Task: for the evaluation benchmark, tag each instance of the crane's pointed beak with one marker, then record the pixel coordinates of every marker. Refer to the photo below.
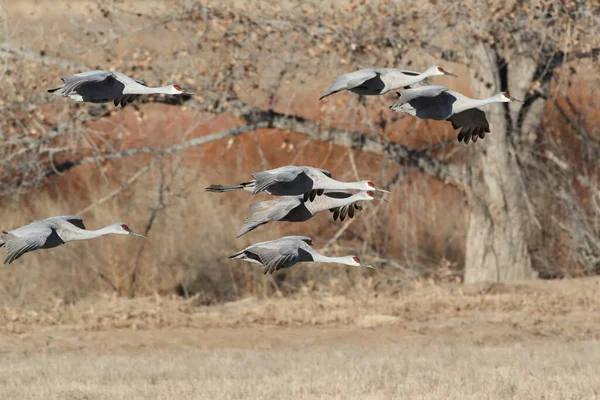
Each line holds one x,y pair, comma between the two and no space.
378,196
450,73
367,266
134,233
517,100
188,92
381,190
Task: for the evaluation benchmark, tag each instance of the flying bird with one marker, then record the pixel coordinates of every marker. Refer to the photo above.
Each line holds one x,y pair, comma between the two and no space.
287,251
291,180
369,81
53,232
439,103
105,86
296,209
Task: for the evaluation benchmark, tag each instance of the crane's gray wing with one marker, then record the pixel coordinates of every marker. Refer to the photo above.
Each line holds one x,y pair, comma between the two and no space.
17,246
409,95
126,98
94,75
286,177
338,212
384,71
274,256
472,123
305,239
74,82
267,211
73,219
349,210
350,80
312,194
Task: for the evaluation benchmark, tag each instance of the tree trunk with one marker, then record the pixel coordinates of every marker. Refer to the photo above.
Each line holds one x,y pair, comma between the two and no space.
496,248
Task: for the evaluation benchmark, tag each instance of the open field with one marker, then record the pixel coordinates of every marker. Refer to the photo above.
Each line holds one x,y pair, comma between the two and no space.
530,340
364,364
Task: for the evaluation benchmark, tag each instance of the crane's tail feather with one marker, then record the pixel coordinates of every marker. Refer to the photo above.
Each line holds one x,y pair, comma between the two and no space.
259,215
249,226
238,256
221,188
4,238
329,93
55,89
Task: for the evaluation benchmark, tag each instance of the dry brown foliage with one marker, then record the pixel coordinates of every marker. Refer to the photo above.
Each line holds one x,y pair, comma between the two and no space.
259,67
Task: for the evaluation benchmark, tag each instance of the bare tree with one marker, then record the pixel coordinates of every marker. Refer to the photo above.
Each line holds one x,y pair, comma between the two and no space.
258,65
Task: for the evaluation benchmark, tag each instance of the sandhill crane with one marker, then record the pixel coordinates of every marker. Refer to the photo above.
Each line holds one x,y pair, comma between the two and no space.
287,251
369,81
439,103
291,180
105,86
53,232
295,209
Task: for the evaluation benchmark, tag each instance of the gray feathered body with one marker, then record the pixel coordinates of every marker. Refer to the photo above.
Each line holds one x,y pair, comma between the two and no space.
276,254
98,86
373,81
296,209
289,180
439,103
46,234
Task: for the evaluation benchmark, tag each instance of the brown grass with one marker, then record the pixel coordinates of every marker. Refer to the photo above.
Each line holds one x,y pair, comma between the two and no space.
413,368
531,340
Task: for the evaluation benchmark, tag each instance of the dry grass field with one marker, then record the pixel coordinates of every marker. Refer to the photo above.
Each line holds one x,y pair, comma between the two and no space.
536,340
385,367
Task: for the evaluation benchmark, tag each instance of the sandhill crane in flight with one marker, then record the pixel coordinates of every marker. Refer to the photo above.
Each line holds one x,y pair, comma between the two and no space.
296,209
369,81
105,86
439,103
291,180
287,251
53,232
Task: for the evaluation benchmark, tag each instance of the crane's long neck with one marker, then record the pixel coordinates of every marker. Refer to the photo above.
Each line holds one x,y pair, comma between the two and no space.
475,103
136,88
322,203
328,183
318,257
84,234
418,78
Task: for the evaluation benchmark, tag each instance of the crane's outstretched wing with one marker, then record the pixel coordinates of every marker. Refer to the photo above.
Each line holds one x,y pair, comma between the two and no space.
74,82
96,75
349,81
409,95
472,123
126,98
276,255
17,246
311,195
407,72
349,210
73,219
267,211
290,180
305,239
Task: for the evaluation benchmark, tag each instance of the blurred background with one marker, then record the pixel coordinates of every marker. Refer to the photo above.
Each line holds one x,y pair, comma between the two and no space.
487,255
